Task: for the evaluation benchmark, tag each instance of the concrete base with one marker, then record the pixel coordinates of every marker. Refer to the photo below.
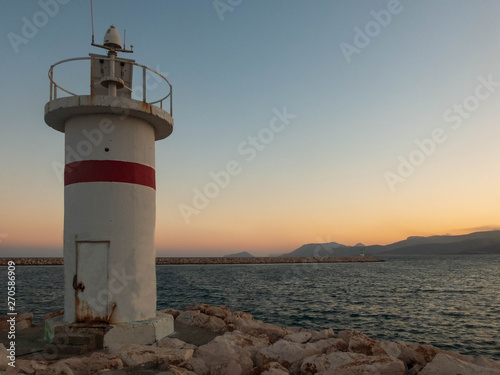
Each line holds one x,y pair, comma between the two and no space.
145,332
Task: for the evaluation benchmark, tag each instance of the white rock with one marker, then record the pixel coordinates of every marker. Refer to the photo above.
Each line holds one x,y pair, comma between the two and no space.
196,365
214,324
274,368
227,368
192,318
248,342
360,343
77,364
221,312
324,346
444,364
486,362
101,361
258,328
299,337
321,335
391,348
223,352
3,358
172,343
180,371
243,315
133,355
24,366
284,352
416,354
63,369
340,363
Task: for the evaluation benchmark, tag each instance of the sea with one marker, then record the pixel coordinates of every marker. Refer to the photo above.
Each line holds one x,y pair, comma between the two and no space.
452,302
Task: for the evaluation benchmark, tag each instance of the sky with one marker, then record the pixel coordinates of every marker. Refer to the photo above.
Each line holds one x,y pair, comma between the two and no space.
294,121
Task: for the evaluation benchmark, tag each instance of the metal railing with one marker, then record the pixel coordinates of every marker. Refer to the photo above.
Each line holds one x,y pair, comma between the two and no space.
54,86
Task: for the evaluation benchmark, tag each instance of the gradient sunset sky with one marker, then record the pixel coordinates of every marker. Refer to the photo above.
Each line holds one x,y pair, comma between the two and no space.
391,126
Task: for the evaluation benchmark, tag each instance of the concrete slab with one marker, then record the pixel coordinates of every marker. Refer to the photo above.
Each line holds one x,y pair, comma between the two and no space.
145,332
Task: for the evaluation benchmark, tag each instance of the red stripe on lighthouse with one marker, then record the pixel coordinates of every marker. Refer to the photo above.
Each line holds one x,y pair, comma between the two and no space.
109,171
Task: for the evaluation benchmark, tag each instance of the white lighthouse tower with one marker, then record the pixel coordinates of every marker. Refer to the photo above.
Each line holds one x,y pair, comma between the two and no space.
109,186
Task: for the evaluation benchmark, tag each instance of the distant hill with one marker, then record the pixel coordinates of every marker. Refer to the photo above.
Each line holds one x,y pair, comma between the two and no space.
324,249
243,254
474,243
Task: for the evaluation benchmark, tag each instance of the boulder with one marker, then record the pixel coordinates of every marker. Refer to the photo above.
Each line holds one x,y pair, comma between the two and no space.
24,366
63,369
76,364
243,315
360,343
391,348
416,354
485,362
341,363
444,364
197,365
102,361
192,318
3,358
299,337
224,351
172,343
23,321
274,368
134,355
221,312
215,324
324,346
241,340
288,354
180,371
273,332
227,368
321,335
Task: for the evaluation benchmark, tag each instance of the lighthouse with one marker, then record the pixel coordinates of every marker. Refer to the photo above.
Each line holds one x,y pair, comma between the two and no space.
109,185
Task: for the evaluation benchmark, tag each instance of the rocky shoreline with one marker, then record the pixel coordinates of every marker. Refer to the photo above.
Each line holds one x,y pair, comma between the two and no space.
208,260
241,345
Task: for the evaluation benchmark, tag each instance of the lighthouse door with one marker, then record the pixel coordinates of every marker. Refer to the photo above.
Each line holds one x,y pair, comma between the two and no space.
91,281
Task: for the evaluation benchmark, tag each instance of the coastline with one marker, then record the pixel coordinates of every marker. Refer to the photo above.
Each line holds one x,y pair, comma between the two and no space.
52,261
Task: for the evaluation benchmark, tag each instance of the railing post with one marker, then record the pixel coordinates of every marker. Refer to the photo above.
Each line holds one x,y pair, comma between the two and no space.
143,83
51,82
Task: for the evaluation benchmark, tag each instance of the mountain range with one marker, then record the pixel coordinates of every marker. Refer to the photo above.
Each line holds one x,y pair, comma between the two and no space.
486,242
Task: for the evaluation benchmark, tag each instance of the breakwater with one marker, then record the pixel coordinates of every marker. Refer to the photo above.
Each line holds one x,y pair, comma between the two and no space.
207,260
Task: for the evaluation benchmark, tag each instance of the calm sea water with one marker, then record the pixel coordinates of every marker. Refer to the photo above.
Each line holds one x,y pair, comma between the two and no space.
450,302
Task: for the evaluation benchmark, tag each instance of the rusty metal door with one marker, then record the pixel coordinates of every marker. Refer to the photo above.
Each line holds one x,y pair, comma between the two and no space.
91,281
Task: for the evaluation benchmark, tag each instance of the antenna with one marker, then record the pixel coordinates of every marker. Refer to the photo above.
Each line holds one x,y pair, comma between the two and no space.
92,20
